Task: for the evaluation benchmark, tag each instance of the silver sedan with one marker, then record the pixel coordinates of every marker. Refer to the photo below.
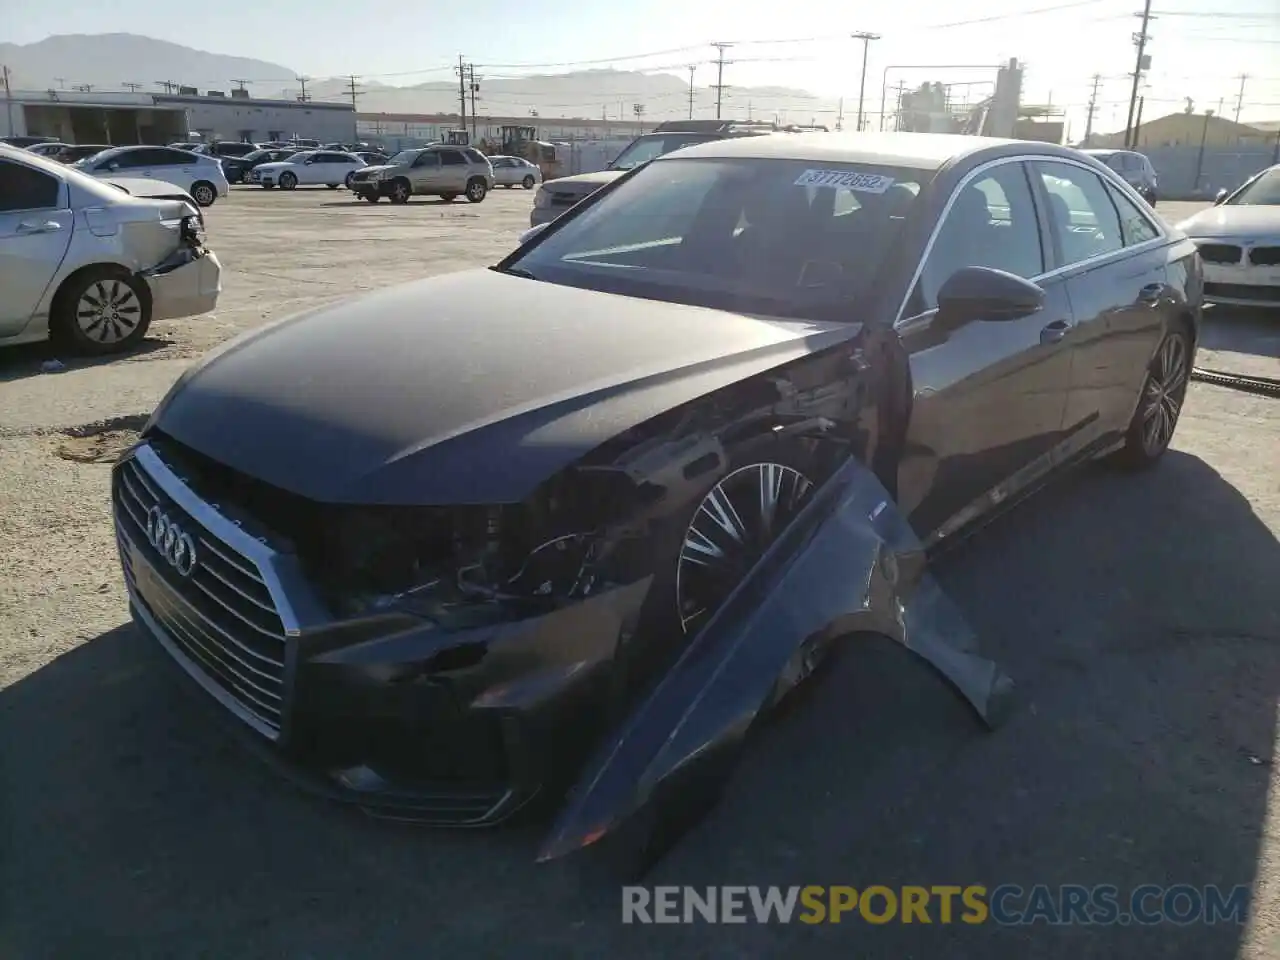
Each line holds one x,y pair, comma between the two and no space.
84,263
515,172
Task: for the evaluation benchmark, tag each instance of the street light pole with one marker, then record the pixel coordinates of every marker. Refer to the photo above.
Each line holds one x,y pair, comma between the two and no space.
866,39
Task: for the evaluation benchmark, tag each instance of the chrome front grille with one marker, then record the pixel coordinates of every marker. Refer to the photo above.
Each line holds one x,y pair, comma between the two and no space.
221,620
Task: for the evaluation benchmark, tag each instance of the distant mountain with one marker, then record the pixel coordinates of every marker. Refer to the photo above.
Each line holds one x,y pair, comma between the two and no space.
108,61
589,94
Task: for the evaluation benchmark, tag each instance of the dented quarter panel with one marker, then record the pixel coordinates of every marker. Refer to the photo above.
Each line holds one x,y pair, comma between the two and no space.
848,566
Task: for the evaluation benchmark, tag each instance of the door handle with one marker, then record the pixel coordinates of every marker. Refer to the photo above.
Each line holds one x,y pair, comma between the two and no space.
1151,293
1055,331
37,226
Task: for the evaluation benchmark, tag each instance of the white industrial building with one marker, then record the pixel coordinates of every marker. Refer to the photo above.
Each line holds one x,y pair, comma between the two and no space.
157,118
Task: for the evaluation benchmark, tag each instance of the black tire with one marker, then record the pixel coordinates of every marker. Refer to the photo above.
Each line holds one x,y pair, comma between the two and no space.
477,190
288,181
448,197
268,186
372,197
1160,404
347,180
527,182
332,186
204,193
123,305
400,191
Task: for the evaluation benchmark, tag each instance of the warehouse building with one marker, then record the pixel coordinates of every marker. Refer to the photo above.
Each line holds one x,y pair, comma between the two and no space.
129,118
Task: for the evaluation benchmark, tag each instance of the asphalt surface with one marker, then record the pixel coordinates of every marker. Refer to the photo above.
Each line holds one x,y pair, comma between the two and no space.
1139,615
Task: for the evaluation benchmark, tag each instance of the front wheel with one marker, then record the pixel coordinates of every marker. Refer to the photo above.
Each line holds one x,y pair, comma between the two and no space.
527,182
371,197
204,193
103,310
288,181
1160,405
476,190
400,192
448,197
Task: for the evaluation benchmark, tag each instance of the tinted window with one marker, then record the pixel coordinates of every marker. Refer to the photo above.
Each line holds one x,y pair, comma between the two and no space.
168,158
428,159
452,158
1081,212
649,148
737,234
991,223
475,156
22,188
1135,226
234,149
1263,190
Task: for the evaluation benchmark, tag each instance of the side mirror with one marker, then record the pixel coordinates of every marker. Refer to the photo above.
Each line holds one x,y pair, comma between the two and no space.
1222,195
984,293
533,232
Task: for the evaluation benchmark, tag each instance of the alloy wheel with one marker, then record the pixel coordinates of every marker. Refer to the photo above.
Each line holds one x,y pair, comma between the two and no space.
1163,394
203,195
108,311
731,529
400,193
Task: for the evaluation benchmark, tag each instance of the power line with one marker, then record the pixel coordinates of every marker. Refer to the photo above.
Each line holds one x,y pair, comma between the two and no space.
719,87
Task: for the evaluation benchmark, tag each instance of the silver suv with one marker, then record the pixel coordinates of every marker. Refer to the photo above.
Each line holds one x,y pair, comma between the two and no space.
435,171
1135,168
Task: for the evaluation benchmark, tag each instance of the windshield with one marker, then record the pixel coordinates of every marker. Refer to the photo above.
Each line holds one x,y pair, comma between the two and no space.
649,148
405,156
1264,191
299,157
781,237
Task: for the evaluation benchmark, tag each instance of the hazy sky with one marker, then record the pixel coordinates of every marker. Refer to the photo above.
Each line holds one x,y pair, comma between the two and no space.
1194,53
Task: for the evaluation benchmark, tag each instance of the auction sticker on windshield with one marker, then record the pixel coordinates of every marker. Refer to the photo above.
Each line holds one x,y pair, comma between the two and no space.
845,180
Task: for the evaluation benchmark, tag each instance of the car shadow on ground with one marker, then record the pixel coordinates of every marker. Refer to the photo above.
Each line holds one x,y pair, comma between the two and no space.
29,359
458,202
1137,613
1242,330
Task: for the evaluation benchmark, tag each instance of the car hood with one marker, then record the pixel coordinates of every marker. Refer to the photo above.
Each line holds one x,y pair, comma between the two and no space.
584,183
1233,221
468,388
377,167
144,187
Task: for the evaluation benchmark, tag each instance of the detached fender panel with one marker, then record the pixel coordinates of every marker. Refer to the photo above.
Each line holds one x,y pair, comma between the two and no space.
849,564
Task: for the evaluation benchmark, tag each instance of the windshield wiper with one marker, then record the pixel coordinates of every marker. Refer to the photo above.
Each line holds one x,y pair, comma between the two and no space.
515,272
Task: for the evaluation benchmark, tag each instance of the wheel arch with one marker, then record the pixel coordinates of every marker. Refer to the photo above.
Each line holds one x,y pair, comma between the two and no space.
62,290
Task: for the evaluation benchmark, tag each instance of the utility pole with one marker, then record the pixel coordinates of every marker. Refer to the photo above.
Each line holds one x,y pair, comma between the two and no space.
840,116
866,39
1240,98
1139,66
61,82
474,86
462,91
638,110
1093,106
692,68
353,91
719,84
131,87
897,110
168,85
1137,122
8,99
302,97
241,83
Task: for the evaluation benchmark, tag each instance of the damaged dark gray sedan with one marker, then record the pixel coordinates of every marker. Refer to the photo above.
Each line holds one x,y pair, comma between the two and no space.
570,526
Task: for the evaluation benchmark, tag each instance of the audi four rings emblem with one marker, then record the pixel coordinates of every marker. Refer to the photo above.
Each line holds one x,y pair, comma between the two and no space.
171,541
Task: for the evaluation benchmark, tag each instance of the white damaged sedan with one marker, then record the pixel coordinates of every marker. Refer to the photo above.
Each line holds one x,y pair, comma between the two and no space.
86,264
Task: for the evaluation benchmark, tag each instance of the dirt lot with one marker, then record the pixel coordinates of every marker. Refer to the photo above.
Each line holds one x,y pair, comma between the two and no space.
1140,616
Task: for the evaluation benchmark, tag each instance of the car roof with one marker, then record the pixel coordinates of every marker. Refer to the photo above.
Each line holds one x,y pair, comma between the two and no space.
927,151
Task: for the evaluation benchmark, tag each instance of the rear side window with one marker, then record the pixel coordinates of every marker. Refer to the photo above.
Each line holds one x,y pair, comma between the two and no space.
452,158
24,188
475,156
1081,212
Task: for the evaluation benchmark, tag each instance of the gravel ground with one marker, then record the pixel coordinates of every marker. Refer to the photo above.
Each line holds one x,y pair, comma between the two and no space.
1138,614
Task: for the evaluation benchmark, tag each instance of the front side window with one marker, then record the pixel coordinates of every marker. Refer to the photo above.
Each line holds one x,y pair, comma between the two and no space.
1135,226
770,236
1080,211
992,223
428,158
25,188
1264,190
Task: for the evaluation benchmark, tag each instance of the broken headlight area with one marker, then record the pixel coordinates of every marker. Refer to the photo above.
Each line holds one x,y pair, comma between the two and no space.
191,230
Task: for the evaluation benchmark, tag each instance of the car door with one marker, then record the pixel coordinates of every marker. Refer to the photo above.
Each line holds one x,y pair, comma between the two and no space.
425,174
989,397
1114,268
35,232
453,171
331,167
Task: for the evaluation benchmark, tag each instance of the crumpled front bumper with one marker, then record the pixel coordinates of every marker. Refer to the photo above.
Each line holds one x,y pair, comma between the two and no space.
185,289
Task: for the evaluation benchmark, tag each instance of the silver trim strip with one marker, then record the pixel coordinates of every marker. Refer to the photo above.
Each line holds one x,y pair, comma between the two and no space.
249,547
1163,235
